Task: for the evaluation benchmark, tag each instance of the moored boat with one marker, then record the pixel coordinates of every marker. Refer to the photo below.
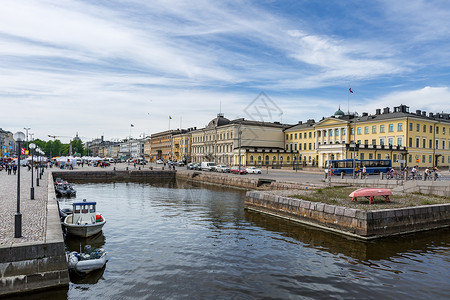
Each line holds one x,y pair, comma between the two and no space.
91,259
84,221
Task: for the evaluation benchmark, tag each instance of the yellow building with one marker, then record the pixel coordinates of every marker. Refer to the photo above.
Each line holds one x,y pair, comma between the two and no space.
181,145
403,137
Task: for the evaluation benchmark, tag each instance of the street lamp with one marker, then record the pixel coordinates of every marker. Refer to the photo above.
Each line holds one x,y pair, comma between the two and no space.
32,147
38,150
19,137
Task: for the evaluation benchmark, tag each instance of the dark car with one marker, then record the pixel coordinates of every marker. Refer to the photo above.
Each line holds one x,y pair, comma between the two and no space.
236,170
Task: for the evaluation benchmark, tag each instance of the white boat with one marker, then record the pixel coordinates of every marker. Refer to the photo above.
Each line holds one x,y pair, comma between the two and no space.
84,221
90,260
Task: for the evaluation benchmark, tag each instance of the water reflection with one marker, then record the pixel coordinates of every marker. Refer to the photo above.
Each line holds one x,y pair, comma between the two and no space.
380,249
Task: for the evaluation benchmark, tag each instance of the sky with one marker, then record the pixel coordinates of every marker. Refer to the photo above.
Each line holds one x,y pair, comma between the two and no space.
98,67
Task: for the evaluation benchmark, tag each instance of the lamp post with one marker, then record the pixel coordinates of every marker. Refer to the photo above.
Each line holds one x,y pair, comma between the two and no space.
32,147
37,168
19,137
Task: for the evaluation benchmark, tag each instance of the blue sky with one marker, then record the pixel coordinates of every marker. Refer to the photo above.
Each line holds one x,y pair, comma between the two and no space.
95,67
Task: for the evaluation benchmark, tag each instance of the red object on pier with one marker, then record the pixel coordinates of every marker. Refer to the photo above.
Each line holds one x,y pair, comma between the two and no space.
370,193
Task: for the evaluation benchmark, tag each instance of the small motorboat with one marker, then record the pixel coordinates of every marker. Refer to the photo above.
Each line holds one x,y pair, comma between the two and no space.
84,221
90,260
64,189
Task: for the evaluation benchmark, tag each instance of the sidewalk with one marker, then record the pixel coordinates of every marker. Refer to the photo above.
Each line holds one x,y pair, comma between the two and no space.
34,212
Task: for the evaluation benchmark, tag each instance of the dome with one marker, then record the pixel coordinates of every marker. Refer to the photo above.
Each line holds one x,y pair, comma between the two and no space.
220,120
339,113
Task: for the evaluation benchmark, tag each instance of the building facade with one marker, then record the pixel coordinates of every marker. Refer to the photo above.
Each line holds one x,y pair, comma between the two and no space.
181,145
405,138
228,142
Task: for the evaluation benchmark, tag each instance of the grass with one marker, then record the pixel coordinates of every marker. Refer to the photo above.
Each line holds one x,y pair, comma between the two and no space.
340,196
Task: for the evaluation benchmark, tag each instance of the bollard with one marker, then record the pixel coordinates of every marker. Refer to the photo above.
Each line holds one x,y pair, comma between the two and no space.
325,176
139,168
405,176
151,168
360,175
424,176
114,168
381,175
342,175
127,168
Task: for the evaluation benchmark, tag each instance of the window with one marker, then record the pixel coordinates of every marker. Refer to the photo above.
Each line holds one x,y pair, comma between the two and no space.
410,142
331,132
251,157
390,141
378,156
291,147
344,130
381,128
358,142
417,142
437,144
410,126
399,141
366,142
287,147
417,127
430,143
366,129
374,129
304,135
424,128
443,130
437,129
295,147
352,131
381,141
423,158
299,146
400,127
394,157
287,137
391,127
374,141
337,132
429,159
443,145
295,136
291,136
370,155
431,128
410,158
362,155
310,134
304,146
309,146
359,130
319,133
424,143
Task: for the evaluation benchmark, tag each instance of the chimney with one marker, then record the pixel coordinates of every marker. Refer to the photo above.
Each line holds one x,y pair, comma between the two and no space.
300,122
364,114
378,111
430,114
424,113
386,110
418,112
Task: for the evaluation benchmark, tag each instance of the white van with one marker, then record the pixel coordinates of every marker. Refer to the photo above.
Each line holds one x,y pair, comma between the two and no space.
208,166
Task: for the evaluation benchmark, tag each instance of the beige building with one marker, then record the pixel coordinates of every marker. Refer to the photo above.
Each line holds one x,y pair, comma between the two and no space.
181,145
223,141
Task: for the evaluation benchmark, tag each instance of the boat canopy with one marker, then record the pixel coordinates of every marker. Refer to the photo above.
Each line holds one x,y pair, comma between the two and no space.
84,203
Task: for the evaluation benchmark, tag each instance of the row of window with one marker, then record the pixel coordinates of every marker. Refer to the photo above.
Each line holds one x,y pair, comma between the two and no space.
219,149
424,128
274,159
381,129
430,143
210,137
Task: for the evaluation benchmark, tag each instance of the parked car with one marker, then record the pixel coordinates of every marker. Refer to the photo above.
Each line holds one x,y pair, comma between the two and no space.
208,166
159,161
190,166
236,170
180,163
197,167
253,170
222,169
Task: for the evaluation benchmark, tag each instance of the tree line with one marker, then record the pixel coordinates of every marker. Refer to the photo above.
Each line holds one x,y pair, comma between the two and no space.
56,148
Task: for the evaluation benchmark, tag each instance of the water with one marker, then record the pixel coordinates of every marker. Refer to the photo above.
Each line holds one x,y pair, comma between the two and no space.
177,240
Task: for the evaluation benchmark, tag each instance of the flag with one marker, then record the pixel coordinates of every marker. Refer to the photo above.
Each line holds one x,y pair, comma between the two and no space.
170,118
132,125
350,90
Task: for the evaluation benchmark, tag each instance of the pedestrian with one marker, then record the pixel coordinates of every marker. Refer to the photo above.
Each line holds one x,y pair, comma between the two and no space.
9,168
414,172
364,174
14,169
427,173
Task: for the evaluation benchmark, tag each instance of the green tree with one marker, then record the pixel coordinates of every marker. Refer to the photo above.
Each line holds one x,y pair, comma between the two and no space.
77,147
57,148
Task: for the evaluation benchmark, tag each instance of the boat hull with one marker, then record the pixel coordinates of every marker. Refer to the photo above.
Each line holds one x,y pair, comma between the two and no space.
86,266
83,230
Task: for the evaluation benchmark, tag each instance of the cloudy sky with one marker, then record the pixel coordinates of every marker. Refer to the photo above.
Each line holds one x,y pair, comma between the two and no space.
96,67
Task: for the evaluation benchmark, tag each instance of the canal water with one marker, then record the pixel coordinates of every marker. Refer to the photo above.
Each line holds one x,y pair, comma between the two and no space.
181,240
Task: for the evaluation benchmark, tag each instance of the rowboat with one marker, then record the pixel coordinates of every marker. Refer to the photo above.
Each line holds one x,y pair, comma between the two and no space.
370,193
91,259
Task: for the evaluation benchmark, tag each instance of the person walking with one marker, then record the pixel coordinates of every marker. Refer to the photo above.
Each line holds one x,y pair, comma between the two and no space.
9,169
14,169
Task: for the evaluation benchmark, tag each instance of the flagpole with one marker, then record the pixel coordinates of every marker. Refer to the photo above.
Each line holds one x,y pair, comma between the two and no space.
348,100
169,122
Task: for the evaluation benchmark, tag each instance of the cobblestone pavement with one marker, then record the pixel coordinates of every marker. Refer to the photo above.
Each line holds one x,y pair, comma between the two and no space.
33,211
